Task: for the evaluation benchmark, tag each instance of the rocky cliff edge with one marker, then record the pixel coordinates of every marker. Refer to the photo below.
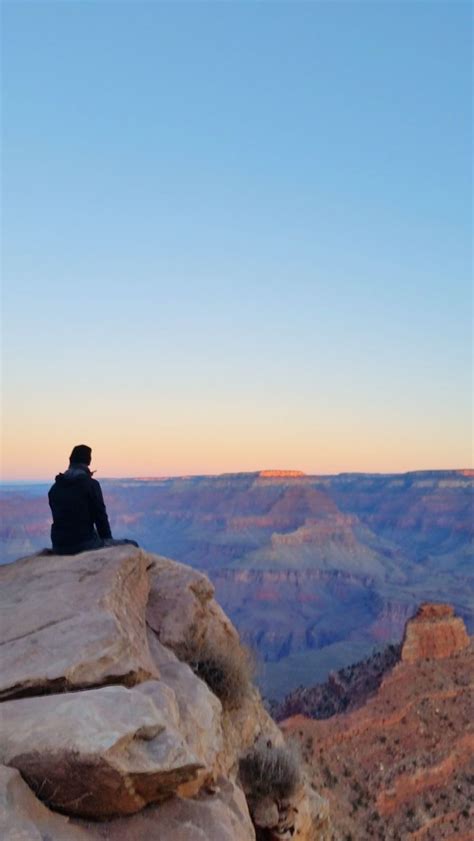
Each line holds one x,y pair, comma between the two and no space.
128,711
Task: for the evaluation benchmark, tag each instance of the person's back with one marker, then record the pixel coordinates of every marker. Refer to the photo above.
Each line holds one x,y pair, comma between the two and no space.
80,519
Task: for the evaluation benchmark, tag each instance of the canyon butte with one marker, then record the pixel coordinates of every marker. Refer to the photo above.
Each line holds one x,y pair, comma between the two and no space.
315,571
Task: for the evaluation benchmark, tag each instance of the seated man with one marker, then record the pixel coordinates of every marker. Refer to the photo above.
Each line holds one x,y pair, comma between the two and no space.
80,520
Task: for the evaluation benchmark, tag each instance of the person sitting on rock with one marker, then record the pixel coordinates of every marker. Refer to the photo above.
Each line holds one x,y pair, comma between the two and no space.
80,521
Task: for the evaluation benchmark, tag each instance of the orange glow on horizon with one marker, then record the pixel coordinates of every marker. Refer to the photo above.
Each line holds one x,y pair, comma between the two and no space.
31,454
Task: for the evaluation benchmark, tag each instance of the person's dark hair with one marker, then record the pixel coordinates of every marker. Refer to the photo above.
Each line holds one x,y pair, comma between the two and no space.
81,454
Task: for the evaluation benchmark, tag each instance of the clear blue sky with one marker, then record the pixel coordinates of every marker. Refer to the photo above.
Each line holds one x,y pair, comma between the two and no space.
237,235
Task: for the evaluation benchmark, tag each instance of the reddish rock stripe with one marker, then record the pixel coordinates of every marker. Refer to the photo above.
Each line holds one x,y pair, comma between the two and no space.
438,821
408,785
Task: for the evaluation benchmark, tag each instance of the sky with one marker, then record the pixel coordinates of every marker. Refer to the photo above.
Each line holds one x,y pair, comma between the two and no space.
236,236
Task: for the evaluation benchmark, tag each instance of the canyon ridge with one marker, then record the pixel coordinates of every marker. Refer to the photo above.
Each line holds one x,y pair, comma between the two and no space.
315,571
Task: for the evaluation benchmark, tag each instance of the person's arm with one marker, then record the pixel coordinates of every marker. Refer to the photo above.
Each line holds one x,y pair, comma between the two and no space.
99,511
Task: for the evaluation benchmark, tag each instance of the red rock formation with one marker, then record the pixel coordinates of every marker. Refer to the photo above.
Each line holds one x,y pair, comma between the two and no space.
400,767
433,633
281,474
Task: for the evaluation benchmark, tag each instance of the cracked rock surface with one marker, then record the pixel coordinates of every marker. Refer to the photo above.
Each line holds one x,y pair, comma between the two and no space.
71,622
113,735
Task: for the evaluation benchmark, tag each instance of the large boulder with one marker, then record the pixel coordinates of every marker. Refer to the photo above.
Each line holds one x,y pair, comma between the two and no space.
99,752
133,709
71,622
183,615
200,711
182,610
217,815
24,818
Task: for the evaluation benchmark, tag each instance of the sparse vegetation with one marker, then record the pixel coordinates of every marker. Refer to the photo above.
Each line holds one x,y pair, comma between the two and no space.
270,772
227,671
330,779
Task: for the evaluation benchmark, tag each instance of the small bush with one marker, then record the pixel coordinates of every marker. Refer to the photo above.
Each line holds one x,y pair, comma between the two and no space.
270,772
227,671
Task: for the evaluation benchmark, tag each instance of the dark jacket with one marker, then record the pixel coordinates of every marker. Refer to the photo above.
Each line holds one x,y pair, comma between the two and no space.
79,514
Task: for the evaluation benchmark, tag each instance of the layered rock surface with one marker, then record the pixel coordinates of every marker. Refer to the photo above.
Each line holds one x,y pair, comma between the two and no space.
293,547
100,752
434,632
217,815
103,720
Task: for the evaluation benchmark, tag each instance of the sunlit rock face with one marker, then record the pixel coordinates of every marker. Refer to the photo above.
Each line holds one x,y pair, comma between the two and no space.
71,622
433,633
101,752
105,722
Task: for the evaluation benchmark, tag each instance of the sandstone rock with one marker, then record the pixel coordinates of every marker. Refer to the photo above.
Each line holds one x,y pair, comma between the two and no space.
181,609
99,752
183,616
24,818
177,602
74,621
265,814
200,711
218,816
157,757
197,618
435,633
313,822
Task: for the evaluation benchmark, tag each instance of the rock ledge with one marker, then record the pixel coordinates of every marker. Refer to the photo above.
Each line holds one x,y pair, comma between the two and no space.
101,721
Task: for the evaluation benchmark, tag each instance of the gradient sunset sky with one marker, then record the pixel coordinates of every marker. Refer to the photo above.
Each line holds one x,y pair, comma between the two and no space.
236,236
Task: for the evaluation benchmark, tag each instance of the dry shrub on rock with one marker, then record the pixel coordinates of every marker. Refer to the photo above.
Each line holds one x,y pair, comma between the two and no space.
268,771
227,671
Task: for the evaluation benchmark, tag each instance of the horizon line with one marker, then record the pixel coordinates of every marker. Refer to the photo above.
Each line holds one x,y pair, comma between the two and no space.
264,473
